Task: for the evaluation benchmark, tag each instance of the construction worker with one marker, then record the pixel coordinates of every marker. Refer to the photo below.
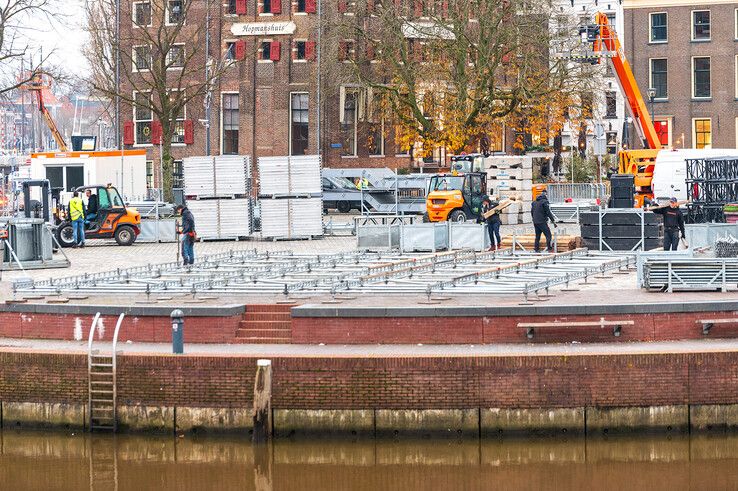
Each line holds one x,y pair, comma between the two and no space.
541,212
187,229
493,221
673,223
91,206
77,216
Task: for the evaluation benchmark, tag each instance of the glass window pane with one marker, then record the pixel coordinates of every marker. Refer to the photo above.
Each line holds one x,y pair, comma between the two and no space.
658,27
701,77
701,25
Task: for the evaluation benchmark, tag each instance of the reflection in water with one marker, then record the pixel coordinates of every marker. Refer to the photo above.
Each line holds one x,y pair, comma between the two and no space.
58,461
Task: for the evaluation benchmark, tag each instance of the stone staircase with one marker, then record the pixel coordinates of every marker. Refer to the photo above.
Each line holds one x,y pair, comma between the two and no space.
265,324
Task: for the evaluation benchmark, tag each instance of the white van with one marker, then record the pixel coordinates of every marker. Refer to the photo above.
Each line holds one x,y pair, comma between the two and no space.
670,172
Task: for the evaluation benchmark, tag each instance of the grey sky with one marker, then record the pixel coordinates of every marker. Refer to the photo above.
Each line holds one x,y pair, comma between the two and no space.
65,35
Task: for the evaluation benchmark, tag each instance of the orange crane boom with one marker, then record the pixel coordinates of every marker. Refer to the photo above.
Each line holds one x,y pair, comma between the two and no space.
37,85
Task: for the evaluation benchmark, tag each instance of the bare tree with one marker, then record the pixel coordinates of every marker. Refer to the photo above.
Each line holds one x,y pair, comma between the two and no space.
163,63
453,72
17,18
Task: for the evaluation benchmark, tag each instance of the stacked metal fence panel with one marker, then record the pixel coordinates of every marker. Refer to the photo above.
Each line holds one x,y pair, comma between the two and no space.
290,194
690,274
620,230
712,183
218,192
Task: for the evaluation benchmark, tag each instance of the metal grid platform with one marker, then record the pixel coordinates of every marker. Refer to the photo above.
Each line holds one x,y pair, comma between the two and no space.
382,273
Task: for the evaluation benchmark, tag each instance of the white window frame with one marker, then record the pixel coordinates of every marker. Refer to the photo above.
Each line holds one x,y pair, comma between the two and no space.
260,5
701,98
294,5
220,137
261,53
182,120
294,49
184,56
133,14
735,72
136,120
650,77
735,20
694,132
225,10
134,58
693,25
289,145
650,28
166,13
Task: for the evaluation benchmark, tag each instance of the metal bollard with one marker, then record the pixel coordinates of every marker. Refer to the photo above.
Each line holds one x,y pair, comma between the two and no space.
177,317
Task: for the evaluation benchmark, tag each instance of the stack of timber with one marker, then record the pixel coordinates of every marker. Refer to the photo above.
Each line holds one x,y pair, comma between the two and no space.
563,242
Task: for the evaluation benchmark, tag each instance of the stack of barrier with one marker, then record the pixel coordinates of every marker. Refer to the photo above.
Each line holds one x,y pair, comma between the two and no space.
291,197
218,193
512,177
712,183
620,230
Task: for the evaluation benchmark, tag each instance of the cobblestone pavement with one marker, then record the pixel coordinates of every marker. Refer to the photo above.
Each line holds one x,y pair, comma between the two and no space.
394,350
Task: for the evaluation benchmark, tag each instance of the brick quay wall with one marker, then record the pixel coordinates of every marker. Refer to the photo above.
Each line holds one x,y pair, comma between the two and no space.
452,395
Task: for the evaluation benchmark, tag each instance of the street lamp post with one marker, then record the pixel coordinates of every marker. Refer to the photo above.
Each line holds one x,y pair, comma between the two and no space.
651,97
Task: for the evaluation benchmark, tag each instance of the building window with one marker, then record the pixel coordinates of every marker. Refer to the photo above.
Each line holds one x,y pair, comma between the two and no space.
701,77
735,34
178,134
176,56
349,121
611,103
701,25
266,6
177,174
142,117
300,50
230,53
231,122
301,6
142,14
376,139
702,133
142,58
149,174
659,78
299,124
231,7
346,50
659,28
663,130
175,11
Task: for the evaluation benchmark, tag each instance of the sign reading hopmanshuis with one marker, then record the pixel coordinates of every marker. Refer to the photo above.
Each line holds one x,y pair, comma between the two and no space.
263,28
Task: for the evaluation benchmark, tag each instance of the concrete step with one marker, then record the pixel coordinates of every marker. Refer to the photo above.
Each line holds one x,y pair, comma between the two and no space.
263,340
269,308
267,316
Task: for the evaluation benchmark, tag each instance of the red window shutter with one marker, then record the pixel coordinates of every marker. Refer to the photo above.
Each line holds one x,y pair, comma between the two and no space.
398,4
342,50
369,6
156,132
444,9
128,138
418,8
342,6
274,50
310,50
276,6
241,7
189,132
240,50
310,7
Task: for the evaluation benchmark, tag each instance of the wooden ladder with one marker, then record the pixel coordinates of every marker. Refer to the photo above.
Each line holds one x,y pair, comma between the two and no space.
101,370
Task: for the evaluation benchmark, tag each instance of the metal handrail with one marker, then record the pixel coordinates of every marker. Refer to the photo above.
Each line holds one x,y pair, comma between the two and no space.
91,336
115,370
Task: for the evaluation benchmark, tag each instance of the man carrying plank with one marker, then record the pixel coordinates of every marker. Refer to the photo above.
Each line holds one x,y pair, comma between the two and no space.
491,209
673,223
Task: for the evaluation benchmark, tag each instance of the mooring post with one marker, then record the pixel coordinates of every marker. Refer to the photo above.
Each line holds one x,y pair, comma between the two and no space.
263,402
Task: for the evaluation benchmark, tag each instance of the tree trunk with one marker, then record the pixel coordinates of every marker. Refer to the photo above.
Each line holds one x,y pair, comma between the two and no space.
167,165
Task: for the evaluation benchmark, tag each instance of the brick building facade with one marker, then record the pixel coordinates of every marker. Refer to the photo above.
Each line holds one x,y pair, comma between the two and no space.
686,51
273,99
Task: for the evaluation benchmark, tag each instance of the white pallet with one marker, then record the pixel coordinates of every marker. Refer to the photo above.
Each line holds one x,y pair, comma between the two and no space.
290,176
198,176
291,218
509,173
221,218
509,162
509,219
511,184
519,195
232,175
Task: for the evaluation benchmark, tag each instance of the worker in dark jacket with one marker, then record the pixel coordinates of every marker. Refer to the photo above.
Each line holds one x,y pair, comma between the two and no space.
493,221
187,229
541,212
673,224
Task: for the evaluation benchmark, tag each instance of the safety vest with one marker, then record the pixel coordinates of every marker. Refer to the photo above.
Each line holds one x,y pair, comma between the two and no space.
76,209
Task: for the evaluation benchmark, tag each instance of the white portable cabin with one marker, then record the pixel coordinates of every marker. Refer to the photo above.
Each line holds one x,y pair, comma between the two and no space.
125,170
670,172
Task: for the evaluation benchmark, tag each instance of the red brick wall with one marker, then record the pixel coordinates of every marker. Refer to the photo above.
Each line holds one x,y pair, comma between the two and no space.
136,329
402,383
486,330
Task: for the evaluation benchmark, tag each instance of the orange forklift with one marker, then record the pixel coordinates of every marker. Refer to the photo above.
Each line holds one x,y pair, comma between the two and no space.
456,197
113,219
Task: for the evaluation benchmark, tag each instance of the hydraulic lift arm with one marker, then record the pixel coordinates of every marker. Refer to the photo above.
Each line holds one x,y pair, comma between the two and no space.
50,121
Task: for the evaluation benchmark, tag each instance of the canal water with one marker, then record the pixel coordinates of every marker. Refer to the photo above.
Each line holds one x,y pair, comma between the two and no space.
35,460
